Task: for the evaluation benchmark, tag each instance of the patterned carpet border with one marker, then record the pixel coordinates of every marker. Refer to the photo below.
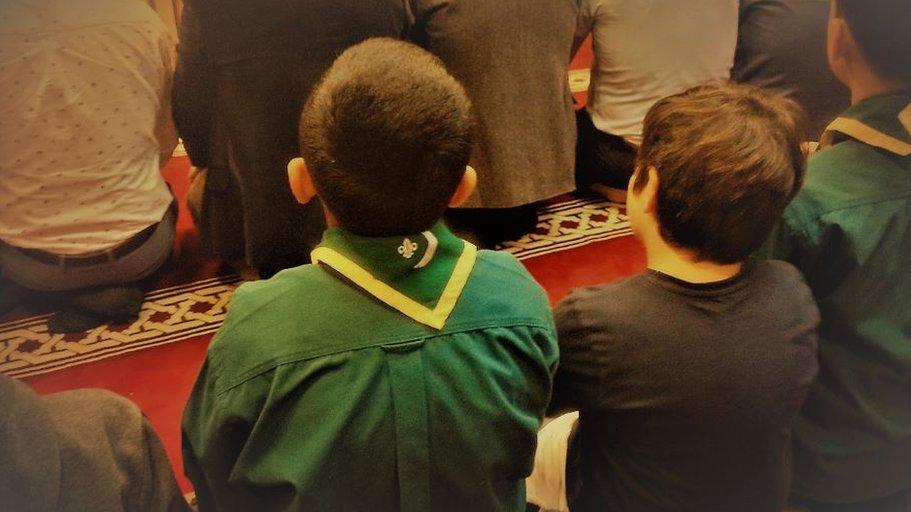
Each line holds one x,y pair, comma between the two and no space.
569,225
169,315
194,309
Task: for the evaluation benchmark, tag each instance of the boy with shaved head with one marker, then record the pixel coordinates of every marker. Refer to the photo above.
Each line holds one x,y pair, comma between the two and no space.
405,369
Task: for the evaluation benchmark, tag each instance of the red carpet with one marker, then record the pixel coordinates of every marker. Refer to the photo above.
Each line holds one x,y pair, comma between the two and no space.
585,247
154,361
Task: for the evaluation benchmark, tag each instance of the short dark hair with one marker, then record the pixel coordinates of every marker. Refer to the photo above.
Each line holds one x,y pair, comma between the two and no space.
882,29
729,159
386,135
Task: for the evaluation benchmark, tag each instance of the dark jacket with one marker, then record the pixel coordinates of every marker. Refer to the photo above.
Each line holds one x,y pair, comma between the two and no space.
244,71
782,48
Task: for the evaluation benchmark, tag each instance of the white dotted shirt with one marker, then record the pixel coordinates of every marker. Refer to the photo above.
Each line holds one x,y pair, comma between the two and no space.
84,122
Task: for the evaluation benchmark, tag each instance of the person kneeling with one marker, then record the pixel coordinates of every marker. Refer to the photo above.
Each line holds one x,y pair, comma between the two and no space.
85,213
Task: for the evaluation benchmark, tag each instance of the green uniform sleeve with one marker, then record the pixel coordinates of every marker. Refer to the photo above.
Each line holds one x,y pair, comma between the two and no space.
817,245
216,427
198,421
796,238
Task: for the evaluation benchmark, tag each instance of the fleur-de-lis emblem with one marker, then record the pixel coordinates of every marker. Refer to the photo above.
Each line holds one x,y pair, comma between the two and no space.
408,248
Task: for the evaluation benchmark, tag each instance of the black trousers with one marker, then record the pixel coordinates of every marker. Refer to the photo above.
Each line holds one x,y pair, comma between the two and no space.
601,157
488,227
248,211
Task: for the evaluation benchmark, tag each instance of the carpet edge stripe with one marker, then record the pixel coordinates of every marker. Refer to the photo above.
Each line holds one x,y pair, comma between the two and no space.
113,352
546,214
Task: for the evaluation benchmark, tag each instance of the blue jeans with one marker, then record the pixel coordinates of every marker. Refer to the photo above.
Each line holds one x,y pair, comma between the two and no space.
133,266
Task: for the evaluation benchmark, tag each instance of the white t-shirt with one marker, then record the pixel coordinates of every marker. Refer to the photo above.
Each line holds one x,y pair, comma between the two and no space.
84,122
645,50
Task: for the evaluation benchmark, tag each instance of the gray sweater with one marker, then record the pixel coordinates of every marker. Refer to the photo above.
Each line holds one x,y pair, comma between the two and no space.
512,57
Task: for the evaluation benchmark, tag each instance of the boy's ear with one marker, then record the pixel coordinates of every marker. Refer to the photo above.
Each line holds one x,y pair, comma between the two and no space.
839,45
649,192
466,187
301,183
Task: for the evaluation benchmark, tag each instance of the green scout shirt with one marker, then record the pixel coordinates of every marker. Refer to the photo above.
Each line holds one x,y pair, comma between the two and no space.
849,231
397,374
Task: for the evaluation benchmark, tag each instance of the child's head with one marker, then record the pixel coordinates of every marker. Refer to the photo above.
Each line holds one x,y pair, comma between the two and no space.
871,37
385,139
717,166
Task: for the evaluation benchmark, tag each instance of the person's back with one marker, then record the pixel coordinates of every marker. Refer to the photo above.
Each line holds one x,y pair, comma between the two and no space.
244,70
512,57
307,34
401,371
700,384
57,447
646,50
349,405
686,378
781,48
85,129
849,232
82,104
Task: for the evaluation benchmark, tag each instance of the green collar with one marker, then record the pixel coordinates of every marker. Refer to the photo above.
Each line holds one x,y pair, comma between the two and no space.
421,276
882,121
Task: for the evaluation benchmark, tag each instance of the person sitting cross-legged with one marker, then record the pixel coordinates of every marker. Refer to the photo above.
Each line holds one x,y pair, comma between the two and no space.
686,378
404,369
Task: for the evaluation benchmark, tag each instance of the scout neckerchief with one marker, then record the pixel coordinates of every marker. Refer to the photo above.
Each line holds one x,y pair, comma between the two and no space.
421,276
882,121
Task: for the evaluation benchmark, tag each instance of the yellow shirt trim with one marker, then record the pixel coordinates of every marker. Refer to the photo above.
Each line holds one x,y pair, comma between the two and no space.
435,317
905,118
871,136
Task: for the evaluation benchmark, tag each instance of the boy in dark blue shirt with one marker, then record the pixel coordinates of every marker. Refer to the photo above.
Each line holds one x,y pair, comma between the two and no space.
687,377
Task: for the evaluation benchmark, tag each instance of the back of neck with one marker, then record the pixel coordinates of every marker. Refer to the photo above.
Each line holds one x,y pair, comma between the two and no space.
686,267
867,85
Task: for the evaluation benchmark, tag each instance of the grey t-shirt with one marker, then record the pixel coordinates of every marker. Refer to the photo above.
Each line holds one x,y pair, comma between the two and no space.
782,48
686,392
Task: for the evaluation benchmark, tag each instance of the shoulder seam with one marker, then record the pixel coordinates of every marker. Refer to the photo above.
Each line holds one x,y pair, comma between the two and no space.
304,355
905,196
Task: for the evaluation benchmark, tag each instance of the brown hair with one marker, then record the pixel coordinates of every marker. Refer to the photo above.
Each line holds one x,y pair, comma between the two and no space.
386,136
729,160
882,29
